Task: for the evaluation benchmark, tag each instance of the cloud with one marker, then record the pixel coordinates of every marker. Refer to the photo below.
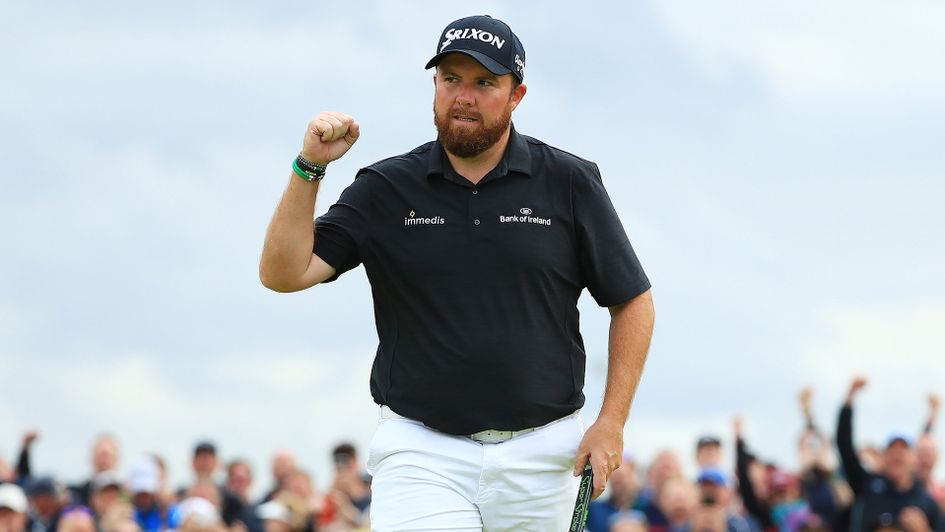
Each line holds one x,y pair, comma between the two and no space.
813,50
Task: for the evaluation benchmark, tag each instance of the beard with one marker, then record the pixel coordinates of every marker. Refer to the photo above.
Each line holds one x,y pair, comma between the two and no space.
479,136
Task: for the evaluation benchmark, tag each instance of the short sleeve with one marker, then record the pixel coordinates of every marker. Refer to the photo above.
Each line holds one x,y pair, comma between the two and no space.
342,232
611,270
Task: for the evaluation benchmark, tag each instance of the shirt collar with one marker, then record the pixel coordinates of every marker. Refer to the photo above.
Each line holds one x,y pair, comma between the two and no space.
516,158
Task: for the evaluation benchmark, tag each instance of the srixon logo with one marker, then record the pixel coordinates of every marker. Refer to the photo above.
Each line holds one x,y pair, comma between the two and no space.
454,34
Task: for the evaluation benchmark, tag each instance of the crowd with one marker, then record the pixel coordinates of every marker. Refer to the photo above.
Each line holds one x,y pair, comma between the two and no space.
838,487
140,499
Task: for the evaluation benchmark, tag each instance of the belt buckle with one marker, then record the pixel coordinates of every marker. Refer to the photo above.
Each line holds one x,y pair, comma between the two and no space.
493,436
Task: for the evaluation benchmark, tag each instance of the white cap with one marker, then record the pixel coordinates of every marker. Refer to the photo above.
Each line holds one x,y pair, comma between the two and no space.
200,511
274,510
12,497
144,477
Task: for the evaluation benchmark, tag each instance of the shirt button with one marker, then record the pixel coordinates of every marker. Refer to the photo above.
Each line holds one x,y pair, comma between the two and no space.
475,192
476,221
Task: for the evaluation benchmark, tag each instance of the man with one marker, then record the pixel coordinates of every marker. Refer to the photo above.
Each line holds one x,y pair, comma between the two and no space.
205,462
13,508
107,490
47,498
105,455
895,496
236,505
477,247
709,452
715,504
283,465
351,488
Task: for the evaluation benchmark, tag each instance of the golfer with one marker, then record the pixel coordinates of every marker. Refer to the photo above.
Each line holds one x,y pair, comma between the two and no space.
477,246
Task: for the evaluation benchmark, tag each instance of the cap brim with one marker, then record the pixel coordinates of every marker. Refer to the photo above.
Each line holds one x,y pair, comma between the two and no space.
486,61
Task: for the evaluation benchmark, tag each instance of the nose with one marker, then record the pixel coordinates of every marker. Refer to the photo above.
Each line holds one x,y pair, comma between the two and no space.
464,97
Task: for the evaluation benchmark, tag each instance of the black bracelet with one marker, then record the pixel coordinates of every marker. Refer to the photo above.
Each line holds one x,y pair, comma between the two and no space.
308,170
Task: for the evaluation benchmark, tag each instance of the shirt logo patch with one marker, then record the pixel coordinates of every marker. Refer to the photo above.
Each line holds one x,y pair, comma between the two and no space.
524,217
413,219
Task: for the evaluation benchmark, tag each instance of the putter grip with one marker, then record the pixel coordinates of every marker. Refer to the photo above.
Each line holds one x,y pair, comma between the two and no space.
585,489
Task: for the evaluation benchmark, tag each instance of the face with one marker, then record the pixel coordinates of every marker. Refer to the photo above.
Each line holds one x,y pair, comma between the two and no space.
678,500
104,498
665,466
205,463
283,464
239,478
623,481
11,521
105,454
718,494
472,108
899,460
709,456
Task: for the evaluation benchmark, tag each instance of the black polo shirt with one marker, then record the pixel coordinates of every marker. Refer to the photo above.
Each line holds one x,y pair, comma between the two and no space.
476,286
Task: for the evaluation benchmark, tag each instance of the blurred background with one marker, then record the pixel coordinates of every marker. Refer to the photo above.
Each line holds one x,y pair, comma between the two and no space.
778,166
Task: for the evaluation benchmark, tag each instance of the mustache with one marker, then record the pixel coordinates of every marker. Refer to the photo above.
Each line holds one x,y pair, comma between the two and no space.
459,112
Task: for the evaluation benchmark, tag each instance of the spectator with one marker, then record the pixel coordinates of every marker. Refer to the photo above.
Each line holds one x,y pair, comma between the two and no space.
351,488
715,507
205,462
105,454
828,495
47,498
120,517
237,507
780,498
283,464
664,467
622,489
892,497
106,491
13,508
709,452
76,519
677,501
144,483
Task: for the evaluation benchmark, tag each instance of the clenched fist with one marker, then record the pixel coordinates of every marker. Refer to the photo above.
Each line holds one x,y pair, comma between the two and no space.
329,136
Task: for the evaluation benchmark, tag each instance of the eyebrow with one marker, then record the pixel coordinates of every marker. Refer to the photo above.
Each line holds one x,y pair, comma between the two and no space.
489,76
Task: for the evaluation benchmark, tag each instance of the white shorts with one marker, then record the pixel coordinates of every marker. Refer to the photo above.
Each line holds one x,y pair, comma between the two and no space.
429,480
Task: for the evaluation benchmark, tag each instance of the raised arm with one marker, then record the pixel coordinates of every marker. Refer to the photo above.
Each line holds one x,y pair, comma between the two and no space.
288,263
631,326
746,489
856,475
933,414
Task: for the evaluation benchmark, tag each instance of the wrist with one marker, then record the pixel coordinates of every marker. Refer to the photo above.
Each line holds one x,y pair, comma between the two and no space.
308,170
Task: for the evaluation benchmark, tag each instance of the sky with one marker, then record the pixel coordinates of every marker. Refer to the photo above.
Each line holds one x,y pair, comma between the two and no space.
777,165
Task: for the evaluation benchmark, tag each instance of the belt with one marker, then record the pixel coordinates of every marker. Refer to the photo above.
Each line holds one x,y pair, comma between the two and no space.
483,436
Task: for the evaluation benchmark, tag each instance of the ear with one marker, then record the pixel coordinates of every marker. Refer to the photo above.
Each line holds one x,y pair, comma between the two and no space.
517,94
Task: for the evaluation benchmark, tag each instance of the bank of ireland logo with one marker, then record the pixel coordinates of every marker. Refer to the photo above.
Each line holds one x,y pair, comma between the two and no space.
524,216
520,65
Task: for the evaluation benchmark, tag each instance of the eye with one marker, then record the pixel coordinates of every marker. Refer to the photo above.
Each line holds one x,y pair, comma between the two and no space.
450,79
486,83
